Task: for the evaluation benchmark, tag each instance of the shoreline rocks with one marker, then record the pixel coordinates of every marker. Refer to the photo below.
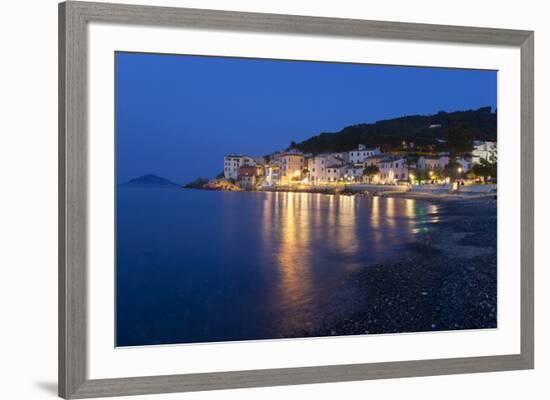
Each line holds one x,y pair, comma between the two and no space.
222,184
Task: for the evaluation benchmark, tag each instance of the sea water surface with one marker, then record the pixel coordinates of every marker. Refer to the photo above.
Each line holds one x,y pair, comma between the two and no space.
204,266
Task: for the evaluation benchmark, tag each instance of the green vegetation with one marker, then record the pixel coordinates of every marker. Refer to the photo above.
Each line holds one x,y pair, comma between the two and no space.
458,142
486,169
427,176
428,133
370,172
453,170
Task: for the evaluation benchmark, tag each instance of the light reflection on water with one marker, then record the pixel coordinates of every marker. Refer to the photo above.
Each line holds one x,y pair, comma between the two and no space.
198,266
318,240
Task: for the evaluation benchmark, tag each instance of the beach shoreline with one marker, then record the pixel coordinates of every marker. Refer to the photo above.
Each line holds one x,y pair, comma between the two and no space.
367,190
446,281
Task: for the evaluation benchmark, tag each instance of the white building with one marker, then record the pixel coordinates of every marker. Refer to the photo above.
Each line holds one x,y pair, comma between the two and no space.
334,172
393,170
359,155
317,167
271,173
484,151
232,163
374,160
353,173
342,156
431,163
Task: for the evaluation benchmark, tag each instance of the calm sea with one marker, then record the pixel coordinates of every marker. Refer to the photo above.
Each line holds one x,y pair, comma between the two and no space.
202,266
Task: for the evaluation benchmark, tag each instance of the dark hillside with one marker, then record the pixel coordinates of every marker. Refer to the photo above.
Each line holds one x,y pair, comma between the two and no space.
414,128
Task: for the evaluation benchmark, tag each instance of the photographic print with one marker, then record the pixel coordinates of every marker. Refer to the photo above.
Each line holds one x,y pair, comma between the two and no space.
275,199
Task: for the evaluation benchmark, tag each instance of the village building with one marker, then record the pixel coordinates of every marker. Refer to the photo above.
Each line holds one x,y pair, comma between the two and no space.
334,172
393,169
232,163
438,163
317,167
353,173
248,176
361,153
316,170
271,173
291,166
374,160
260,161
484,151
432,163
341,156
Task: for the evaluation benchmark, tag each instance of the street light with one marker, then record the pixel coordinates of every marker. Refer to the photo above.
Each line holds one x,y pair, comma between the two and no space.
459,170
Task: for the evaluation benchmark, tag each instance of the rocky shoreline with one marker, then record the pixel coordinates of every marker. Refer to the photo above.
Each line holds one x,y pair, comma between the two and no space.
446,281
364,190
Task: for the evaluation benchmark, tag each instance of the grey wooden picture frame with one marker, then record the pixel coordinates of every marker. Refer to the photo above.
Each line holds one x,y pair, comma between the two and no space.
73,172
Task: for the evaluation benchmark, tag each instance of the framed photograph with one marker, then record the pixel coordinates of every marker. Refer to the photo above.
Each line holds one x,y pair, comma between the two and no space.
253,200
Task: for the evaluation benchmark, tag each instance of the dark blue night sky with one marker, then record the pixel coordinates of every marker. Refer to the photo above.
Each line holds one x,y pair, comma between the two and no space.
178,115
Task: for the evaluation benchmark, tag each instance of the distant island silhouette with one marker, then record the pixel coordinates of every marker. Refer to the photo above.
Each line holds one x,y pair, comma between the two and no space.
150,180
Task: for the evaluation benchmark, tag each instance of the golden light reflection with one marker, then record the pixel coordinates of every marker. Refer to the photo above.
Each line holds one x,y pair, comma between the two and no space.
276,206
346,234
409,208
390,211
375,220
267,219
294,254
409,212
300,230
331,220
433,209
375,212
316,209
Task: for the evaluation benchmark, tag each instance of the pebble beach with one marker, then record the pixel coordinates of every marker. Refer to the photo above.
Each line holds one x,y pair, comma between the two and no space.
446,281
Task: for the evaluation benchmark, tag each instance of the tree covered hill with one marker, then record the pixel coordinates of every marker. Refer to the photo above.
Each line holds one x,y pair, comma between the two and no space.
425,131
